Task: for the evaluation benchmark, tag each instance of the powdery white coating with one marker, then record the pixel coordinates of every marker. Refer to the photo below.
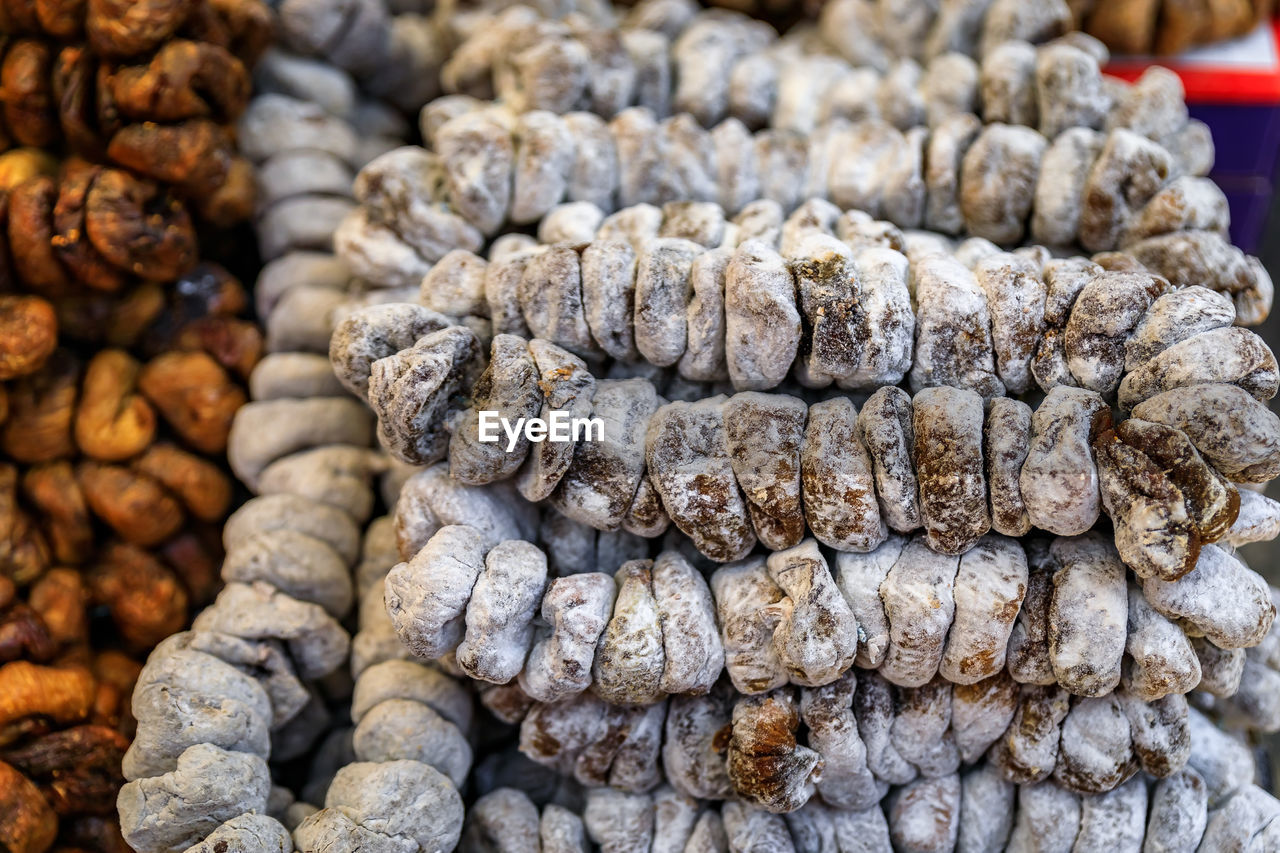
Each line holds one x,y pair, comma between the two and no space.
501,610
922,728
700,222
1160,657
1206,258
570,222
427,596
1048,820
829,297
783,157
704,358
1221,670
1153,106
859,577
1179,812
885,304
1221,759
1070,89
767,767
847,782
904,196
412,393
1059,478
674,816
1227,356
838,486
577,609
763,433
455,285
635,224
646,517
1064,169
1028,653
619,822
873,707
981,713
1176,316
1095,753
478,155
402,679
177,809
858,179
630,660
924,816
566,385
186,698
401,729
544,158
608,295
748,828
398,804
304,567
504,819
998,180
431,499
950,84
1129,170
1237,434
562,831
747,606
1185,204
1258,521
817,635
266,430
1005,442
760,220
509,387
762,322
316,642
948,453
1016,295
686,448
948,141
502,288
594,175
737,170
266,513
1221,599
692,750
953,330
337,474
1161,732
1007,82
886,427
551,298
986,810
604,475
1115,820
691,641
1088,615
989,589
369,334
662,292
248,833
1028,750
919,604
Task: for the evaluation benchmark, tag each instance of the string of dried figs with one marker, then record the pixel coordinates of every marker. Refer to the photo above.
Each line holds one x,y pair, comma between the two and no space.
489,167
1062,614
672,57
1209,804
1190,434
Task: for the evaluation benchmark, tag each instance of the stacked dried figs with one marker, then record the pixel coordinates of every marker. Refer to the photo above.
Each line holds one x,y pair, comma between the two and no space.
780,603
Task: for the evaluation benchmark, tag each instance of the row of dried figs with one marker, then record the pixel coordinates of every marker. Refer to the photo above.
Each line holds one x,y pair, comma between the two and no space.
776,462
825,297
1049,614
